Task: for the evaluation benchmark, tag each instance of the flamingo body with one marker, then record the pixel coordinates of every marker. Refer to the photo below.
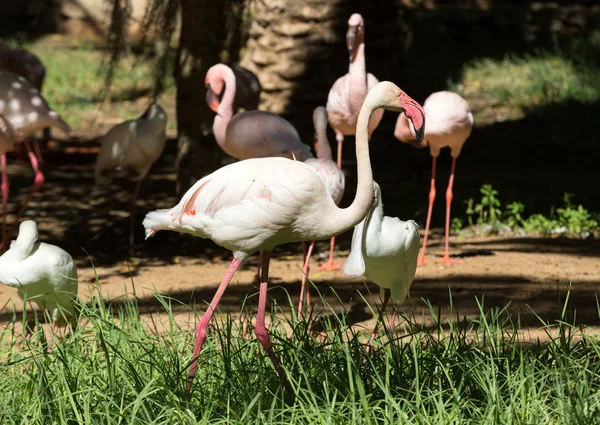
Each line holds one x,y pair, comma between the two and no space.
42,273
248,88
24,63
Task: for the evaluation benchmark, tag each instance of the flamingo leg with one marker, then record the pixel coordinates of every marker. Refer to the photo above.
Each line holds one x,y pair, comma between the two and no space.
446,258
304,288
37,182
5,187
204,322
386,300
261,330
421,261
257,276
132,217
38,151
331,265
340,140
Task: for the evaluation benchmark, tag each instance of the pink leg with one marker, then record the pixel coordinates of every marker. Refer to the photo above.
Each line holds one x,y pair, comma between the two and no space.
305,272
203,324
330,265
257,276
38,151
37,182
386,300
261,330
422,259
446,258
340,139
5,187
393,321
132,218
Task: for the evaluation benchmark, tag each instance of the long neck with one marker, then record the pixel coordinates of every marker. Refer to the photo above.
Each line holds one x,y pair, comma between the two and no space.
225,110
323,147
358,78
376,217
346,218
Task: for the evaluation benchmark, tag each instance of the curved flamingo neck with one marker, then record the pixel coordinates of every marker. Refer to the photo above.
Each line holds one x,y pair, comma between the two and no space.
323,146
358,78
225,109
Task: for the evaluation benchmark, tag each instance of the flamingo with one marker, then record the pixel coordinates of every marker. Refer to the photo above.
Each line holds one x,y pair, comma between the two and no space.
346,98
385,250
26,111
249,134
42,273
449,124
247,89
257,204
29,66
130,148
334,180
6,144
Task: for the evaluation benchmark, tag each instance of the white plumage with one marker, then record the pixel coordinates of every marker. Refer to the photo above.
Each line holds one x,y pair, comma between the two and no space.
389,247
132,147
42,273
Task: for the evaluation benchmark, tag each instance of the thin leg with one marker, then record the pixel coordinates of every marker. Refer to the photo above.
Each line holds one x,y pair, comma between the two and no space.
257,276
331,265
5,187
204,322
386,300
422,259
446,258
304,288
393,320
37,182
340,139
38,151
261,330
132,217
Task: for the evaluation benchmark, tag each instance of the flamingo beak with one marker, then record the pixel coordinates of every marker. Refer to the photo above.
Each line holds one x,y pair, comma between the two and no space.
415,114
351,40
212,100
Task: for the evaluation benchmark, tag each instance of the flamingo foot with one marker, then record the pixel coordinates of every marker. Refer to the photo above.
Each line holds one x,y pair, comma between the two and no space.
447,260
422,261
330,266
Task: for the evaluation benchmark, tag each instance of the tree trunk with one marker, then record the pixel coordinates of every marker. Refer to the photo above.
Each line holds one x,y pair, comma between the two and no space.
205,38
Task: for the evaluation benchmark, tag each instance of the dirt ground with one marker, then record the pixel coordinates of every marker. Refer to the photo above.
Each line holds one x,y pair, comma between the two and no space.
527,274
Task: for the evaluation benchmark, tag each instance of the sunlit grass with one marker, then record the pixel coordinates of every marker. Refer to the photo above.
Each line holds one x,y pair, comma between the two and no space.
116,369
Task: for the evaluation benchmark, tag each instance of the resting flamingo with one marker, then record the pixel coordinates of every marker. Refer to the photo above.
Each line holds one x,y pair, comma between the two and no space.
384,250
449,124
130,148
334,180
347,96
257,204
27,112
249,134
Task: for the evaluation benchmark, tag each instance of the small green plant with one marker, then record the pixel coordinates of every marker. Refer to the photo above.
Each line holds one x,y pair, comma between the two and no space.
488,208
512,214
456,225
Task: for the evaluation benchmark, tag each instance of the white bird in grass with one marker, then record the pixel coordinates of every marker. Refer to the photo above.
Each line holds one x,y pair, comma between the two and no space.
42,273
257,204
129,149
334,180
384,250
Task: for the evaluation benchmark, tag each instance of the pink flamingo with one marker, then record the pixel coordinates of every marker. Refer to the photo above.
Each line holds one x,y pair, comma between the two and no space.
130,149
449,124
28,65
27,112
7,142
334,180
257,204
247,89
249,134
346,98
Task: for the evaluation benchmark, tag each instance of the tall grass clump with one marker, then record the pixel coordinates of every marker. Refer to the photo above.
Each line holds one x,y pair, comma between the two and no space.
115,369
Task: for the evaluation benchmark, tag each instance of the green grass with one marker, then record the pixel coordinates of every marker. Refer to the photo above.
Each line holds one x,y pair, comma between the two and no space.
517,84
115,370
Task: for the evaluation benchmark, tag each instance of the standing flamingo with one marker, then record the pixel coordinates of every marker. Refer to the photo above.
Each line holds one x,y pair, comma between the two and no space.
257,204
247,89
7,142
130,148
385,250
249,134
449,124
346,98
42,273
27,112
24,63
334,180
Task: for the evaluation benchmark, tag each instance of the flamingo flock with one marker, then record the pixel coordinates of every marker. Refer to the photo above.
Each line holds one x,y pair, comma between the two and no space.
277,192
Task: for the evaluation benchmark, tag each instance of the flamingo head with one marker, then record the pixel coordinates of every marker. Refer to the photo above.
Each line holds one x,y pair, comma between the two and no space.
214,82
405,132
355,34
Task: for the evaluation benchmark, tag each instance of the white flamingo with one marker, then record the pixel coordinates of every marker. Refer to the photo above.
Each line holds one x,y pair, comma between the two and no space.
257,204
130,148
449,124
334,180
385,250
42,273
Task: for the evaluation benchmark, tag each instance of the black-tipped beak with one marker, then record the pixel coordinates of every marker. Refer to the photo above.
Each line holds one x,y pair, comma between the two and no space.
212,100
420,132
351,40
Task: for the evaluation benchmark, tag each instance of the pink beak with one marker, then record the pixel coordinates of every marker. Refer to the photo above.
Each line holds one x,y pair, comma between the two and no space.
415,113
212,100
